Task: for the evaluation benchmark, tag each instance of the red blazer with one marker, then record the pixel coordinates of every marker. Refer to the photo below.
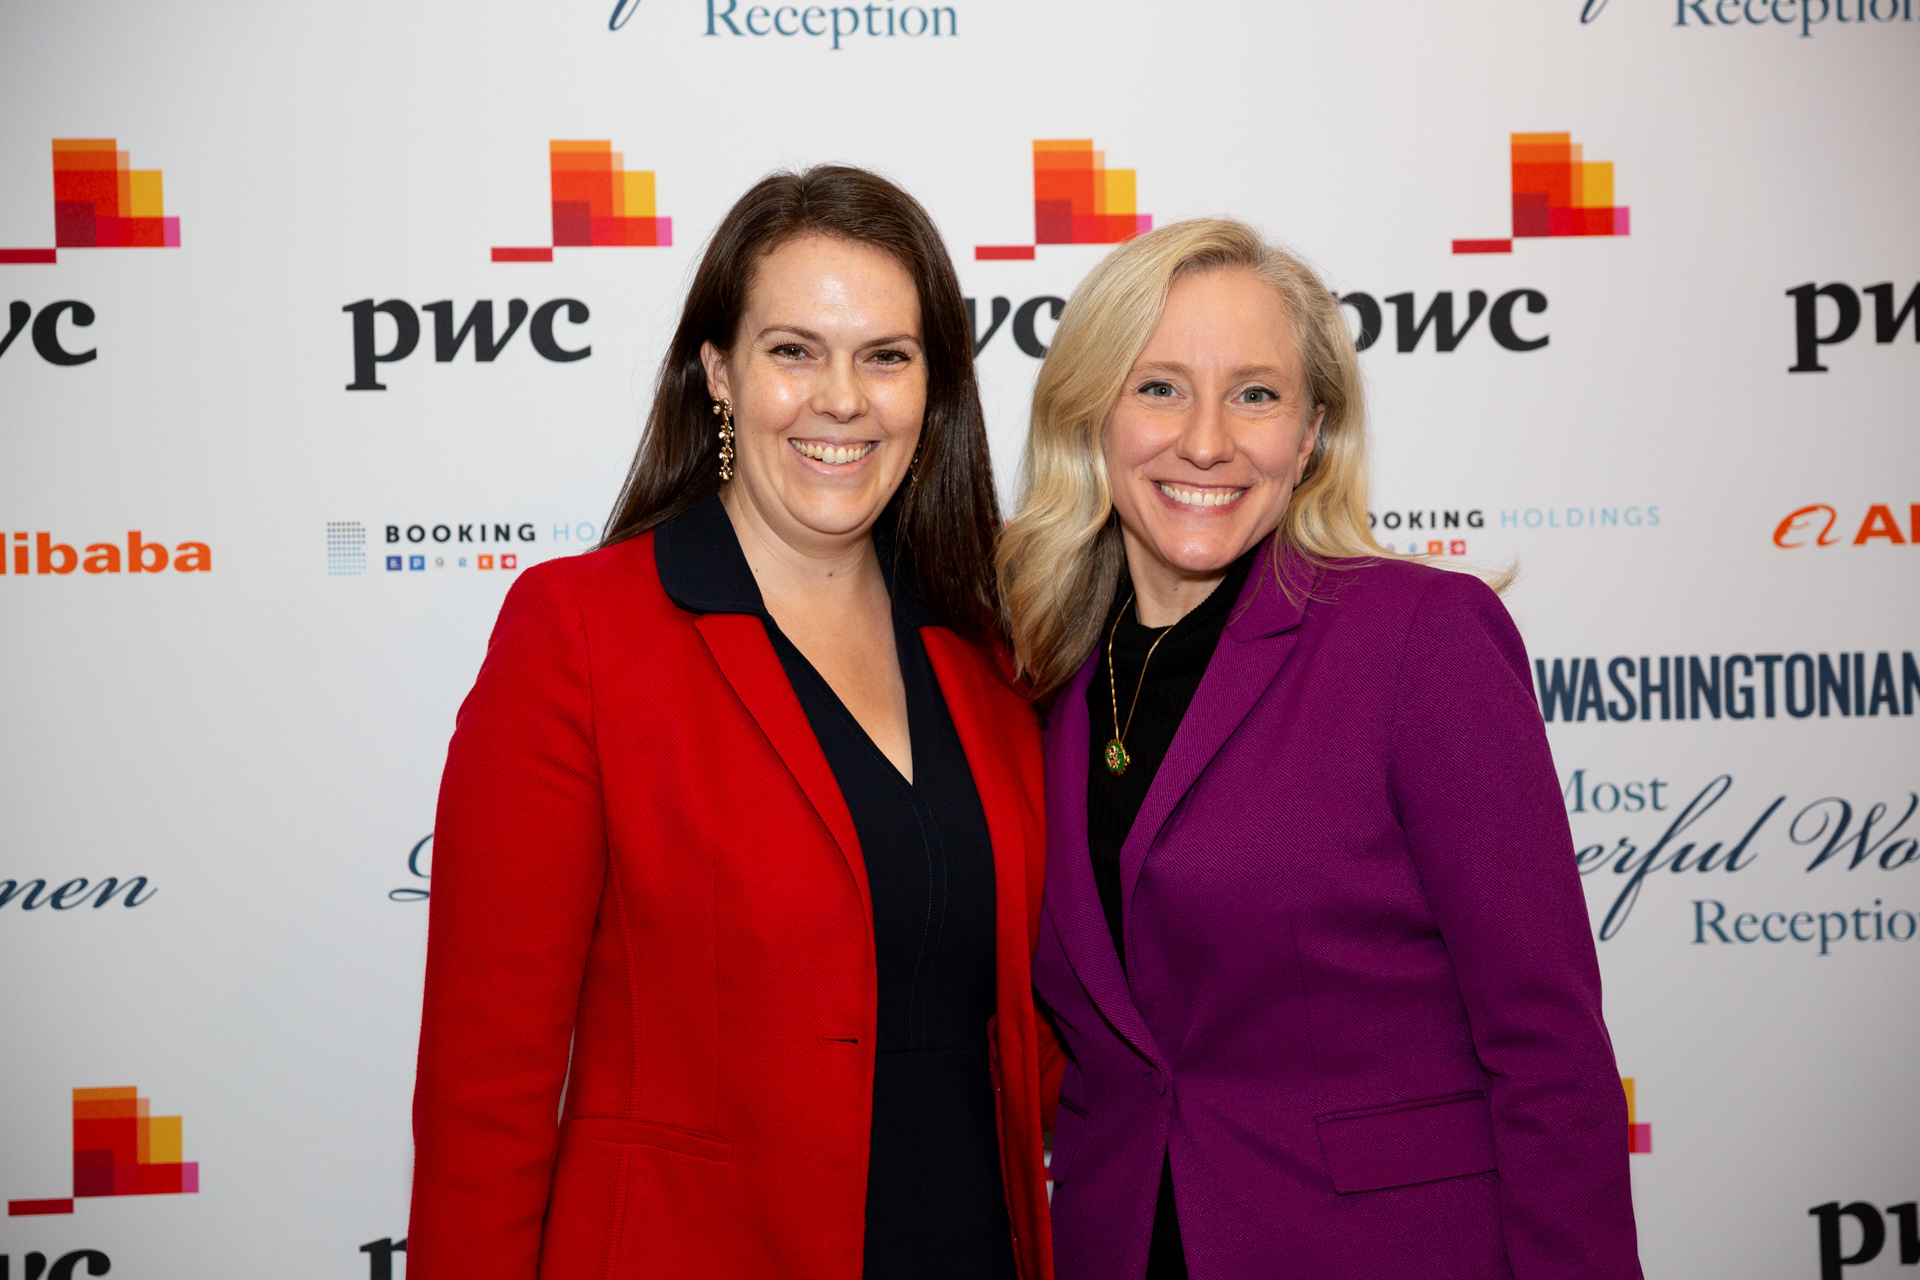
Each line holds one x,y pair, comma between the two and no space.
648,898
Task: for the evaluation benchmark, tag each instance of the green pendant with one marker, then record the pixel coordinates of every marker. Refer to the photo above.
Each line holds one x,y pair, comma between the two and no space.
1117,760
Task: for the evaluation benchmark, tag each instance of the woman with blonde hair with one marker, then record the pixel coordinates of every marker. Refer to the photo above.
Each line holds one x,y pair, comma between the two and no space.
1312,933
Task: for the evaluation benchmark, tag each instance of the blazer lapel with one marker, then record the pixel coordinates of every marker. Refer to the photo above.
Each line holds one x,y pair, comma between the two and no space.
1002,798
1072,901
740,646
1257,640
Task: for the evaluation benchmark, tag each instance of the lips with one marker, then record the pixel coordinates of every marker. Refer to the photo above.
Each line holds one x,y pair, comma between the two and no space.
1190,497
834,455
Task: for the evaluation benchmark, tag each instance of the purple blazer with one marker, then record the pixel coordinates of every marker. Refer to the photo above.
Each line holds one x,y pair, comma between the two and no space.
1361,1006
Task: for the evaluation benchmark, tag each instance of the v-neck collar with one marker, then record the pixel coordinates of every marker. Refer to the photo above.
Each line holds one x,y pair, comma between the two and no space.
703,569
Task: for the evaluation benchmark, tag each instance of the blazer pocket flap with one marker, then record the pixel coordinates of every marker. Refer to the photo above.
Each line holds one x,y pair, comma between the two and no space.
1408,1142
646,1133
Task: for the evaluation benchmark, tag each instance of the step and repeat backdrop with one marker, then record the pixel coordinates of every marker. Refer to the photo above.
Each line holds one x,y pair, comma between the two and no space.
323,323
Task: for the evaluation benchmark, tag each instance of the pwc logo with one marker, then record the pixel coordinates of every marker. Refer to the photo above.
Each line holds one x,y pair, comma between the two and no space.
46,329
597,203
447,340
1815,525
1076,200
99,202
1890,314
1873,1234
1639,1132
42,556
594,201
119,1149
33,1264
1556,192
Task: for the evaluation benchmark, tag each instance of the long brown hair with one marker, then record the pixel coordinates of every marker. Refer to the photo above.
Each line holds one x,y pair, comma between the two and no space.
946,516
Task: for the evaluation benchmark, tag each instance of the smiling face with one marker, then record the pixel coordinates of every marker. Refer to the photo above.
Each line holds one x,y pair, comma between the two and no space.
1211,433
828,385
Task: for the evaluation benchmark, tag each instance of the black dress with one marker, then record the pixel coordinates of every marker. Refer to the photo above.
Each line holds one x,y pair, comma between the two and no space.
1166,687
936,1203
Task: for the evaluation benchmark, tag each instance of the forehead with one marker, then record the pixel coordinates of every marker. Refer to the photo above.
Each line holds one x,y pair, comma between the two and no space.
1224,316
817,273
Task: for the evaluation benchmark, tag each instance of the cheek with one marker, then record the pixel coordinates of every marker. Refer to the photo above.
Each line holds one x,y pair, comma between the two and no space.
902,405
1129,441
1275,451
773,401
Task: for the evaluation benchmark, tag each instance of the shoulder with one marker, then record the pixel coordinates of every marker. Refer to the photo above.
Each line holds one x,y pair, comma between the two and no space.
1404,590
620,579
1419,612
608,602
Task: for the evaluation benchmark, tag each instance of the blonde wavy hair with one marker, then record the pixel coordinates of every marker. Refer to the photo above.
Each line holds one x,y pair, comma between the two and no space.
1060,559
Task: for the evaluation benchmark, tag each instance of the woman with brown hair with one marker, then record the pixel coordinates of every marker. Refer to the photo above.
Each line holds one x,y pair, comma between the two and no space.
739,850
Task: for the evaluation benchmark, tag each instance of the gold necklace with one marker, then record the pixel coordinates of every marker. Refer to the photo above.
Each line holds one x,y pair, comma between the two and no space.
1116,754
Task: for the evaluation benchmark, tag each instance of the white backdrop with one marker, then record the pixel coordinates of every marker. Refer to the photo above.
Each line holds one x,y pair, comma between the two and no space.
262,741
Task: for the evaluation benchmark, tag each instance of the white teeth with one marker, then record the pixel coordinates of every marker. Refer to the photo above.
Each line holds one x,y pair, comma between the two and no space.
1200,497
833,454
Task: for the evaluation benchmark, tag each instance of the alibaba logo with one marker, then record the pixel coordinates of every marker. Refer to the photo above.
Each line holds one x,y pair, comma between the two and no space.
1813,525
49,557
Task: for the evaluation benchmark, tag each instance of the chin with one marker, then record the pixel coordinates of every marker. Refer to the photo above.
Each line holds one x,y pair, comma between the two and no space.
835,515
1211,551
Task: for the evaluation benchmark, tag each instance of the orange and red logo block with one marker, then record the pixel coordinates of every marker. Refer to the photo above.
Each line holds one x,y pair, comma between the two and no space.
1557,191
1639,1136
597,203
119,1149
101,202
1076,200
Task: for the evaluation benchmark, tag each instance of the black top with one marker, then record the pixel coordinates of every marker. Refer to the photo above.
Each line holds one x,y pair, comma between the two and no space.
936,1204
1170,680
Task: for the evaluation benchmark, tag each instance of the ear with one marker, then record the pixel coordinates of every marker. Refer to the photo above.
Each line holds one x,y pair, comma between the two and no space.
715,362
1308,439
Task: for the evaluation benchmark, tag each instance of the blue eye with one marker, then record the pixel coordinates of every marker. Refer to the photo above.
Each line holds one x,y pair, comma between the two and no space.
1160,389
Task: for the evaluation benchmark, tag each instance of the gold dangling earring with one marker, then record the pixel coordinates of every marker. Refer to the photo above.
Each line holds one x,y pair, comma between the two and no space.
724,408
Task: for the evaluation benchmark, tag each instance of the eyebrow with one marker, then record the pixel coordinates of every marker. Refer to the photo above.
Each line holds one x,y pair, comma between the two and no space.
811,336
1244,371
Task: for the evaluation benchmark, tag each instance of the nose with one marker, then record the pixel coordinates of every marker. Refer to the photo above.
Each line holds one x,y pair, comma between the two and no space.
1204,438
838,394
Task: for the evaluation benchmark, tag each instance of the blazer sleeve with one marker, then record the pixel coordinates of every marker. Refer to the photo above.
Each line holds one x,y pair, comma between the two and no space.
518,867
1474,784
